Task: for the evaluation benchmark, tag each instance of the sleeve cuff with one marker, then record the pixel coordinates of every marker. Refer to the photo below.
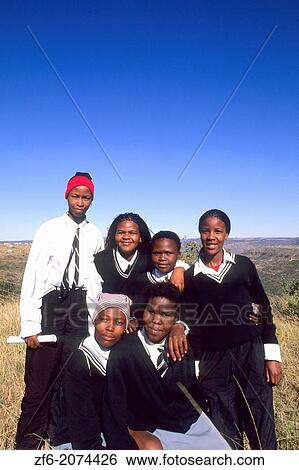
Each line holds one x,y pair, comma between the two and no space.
181,264
272,352
186,327
30,328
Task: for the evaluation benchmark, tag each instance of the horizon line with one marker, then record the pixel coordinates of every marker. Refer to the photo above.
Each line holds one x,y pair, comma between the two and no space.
190,238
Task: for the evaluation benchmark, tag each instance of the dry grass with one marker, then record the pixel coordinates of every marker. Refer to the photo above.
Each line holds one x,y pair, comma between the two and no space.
12,367
11,372
286,396
13,258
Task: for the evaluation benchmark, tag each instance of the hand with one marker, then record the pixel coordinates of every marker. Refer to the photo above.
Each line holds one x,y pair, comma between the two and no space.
133,325
273,371
177,342
255,316
177,278
33,342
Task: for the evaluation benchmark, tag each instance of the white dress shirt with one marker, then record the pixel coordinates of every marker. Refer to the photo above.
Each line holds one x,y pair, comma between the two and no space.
46,263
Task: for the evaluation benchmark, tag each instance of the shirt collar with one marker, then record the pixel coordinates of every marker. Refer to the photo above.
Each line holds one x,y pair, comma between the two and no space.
68,220
99,354
200,267
123,262
161,277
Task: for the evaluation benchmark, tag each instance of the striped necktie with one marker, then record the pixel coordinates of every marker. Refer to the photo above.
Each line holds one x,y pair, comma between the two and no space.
162,365
74,251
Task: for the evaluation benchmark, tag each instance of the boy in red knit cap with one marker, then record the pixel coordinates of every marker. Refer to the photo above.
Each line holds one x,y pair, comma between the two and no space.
59,280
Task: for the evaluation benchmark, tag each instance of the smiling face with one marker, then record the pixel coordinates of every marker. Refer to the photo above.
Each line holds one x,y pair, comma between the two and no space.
79,201
159,317
127,238
110,325
213,235
164,254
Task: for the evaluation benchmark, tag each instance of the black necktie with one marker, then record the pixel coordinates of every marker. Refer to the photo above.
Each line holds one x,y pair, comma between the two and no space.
75,250
128,269
162,360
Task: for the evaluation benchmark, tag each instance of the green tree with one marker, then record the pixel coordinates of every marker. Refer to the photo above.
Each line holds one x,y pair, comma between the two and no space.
288,303
190,252
290,287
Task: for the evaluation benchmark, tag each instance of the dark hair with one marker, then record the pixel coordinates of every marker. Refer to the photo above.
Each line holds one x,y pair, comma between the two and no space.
167,234
144,245
163,289
81,173
215,213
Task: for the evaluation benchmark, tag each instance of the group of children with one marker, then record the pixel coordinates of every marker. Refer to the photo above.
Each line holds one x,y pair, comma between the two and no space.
132,320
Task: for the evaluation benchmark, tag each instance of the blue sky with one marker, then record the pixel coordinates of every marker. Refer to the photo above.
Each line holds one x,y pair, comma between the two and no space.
154,80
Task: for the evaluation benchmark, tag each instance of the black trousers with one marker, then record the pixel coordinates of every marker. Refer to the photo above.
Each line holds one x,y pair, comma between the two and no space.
240,400
68,319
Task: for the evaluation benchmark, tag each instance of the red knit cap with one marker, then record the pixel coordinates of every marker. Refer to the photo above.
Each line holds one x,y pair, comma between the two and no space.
80,179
